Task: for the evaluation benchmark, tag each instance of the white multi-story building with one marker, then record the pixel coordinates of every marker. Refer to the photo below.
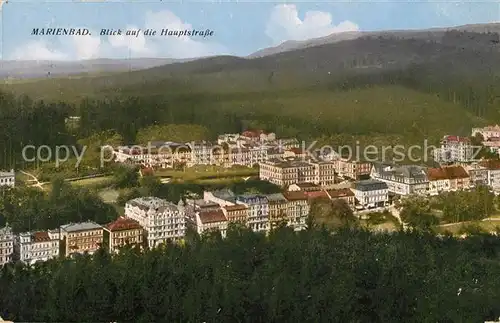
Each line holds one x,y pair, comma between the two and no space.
287,172
155,154
7,240
493,173
371,193
8,178
33,247
487,132
162,221
258,135
478,174
402,179
454,149
258,211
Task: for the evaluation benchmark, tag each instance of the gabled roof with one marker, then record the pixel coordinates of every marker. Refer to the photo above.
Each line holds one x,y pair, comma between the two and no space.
447,172
295,196
456,139
317,194
296,151
123,223
212,216
41,236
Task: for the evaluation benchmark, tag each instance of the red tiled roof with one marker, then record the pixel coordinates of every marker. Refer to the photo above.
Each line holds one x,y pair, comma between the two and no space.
295,196
123,223
456,172
296,151
212,216
344,192
41,236
447,172
456,139
237,207
317,194
436,174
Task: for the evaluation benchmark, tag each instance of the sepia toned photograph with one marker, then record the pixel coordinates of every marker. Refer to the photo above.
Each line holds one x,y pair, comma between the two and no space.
250,161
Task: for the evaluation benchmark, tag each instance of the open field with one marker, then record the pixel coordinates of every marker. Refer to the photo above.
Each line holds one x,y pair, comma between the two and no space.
109,195
199,173
105,180
489,225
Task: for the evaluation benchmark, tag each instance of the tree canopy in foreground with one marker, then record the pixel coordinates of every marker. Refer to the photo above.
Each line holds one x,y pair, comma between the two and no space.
314,276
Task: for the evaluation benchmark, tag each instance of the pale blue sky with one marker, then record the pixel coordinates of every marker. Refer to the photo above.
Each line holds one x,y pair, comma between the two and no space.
239,28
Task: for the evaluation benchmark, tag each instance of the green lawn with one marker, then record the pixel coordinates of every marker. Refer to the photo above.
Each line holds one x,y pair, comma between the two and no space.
109,195
487,225
207,173
91,182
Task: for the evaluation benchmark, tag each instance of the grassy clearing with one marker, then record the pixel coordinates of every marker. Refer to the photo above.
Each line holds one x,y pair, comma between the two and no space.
198,173
487,225
94,182
109,195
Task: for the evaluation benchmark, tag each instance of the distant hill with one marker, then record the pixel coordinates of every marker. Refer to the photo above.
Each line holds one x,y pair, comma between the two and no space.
434,34
398,87
43,69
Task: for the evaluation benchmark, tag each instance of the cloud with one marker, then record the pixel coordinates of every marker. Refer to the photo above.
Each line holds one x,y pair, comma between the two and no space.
37,50
135,45
123,46
86,47
78,48
285,24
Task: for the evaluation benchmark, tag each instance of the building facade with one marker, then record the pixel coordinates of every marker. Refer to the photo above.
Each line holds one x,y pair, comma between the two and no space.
284,173
7,240
487,132
33,247
80,238
237,213
258,211
345,194
454,149
211,221
402,179
352,169
371,193
478,174
297,209
277,209
124,231
162,221
8,179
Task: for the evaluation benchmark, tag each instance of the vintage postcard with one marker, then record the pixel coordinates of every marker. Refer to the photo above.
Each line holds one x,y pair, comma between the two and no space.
249,161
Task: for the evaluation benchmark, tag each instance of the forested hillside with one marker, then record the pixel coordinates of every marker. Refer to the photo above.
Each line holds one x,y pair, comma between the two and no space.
381,89
314,276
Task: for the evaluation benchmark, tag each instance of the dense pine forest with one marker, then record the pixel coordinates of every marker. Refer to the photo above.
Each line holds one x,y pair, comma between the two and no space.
315,276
